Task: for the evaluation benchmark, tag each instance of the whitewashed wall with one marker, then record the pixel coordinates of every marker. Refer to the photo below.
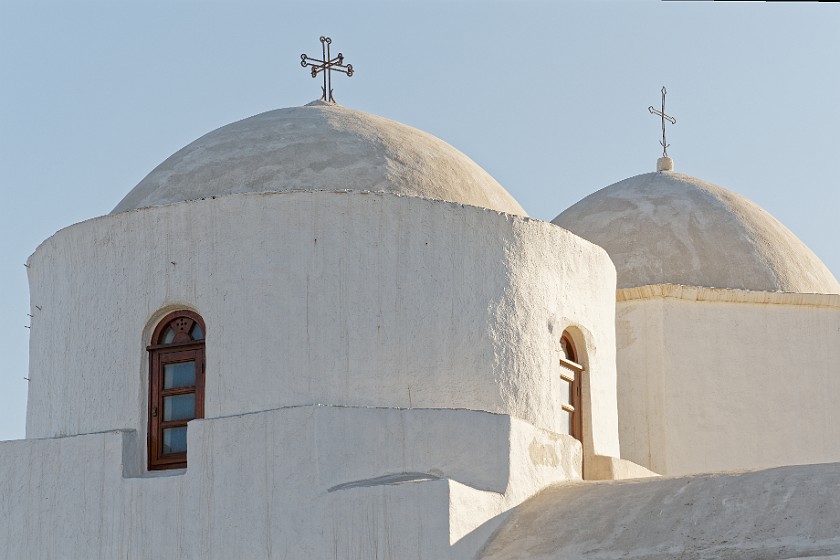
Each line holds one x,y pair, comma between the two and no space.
302,482
712,379
310,297
787,513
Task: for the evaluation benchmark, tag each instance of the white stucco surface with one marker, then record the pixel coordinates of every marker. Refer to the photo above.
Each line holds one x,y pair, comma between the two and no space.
775,514
712,380
601,467
317,297
670,228
300,482
383,376
319,146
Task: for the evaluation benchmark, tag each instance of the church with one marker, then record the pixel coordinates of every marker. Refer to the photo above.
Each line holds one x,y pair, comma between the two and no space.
317,333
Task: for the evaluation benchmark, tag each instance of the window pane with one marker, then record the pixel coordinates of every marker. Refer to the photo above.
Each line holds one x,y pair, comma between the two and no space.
168,335
180,407
179,375
174,440
566,422
196,333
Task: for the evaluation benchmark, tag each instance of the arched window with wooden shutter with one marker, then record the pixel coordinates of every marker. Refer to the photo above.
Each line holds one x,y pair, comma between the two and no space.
571,371
176,387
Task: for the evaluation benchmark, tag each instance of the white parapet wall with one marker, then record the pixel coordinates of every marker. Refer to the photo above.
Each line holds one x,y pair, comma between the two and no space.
712,379
353,299
786,513
299,482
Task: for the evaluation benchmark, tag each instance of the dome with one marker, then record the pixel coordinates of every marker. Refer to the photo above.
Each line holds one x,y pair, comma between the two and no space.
669,228
319,147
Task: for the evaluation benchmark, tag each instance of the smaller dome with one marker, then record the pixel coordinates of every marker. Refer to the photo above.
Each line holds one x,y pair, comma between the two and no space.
324,147
670,228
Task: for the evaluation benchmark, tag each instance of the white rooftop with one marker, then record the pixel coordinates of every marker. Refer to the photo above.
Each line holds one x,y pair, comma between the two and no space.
319,146
670,228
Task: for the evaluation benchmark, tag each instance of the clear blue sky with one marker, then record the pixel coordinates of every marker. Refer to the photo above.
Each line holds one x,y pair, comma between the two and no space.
551,98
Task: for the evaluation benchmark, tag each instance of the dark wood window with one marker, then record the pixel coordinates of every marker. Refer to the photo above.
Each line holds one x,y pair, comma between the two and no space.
571,373
176,387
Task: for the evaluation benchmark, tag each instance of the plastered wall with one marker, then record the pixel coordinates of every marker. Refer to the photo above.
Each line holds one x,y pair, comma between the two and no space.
786,513
712,380
353,299
280,484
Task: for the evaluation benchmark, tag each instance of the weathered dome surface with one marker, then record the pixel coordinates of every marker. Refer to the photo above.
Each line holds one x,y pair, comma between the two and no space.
319,147
669,228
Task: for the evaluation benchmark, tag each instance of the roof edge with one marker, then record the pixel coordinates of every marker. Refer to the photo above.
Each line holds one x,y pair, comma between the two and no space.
726,295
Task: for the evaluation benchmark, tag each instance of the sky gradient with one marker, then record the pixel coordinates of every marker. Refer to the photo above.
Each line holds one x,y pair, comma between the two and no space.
550,98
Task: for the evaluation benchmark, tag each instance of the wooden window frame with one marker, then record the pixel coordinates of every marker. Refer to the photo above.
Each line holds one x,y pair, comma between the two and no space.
161,354
575,406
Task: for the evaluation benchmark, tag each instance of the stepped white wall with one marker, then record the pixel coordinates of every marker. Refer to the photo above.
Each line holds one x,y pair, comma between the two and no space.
301,482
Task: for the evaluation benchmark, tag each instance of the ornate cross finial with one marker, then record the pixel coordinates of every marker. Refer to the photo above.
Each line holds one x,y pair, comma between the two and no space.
326,65
665,117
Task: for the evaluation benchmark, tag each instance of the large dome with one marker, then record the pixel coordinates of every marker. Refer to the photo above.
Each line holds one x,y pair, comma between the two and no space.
669,228
319,147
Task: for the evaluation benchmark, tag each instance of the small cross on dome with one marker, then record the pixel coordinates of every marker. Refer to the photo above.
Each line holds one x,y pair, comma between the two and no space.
664,163
326,65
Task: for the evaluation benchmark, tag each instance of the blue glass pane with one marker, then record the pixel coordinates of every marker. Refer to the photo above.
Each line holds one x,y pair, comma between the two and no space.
168,335
196,333
179,407
178,375
174,440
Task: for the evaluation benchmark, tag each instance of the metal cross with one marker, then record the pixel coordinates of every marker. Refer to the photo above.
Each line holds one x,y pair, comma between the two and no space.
665,117
326,65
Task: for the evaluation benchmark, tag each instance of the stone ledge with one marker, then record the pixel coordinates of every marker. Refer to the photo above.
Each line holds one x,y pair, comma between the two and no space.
725,295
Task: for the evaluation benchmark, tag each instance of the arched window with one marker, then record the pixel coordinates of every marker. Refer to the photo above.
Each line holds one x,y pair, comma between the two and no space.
571,373
176,387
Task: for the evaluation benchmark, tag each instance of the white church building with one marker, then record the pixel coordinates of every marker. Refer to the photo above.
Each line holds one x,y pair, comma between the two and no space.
318,333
